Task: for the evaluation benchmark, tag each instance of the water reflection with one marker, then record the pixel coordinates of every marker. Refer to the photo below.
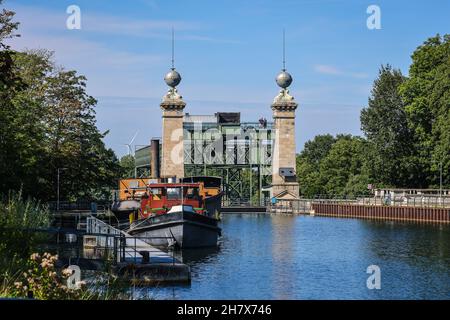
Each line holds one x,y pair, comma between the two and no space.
283,231
195,256
416,255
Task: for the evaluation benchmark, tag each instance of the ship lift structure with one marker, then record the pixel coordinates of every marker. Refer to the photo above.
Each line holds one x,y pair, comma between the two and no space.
223,146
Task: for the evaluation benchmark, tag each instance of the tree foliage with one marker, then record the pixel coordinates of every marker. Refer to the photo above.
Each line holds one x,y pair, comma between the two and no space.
48,123
308,164
389,137
407,133
127,164
427,98
7,26
332,166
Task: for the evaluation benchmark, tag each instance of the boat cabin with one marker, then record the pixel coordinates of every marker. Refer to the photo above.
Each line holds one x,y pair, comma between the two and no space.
160,197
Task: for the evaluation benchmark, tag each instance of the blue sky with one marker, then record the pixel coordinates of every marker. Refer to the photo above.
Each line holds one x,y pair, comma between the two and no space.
228,53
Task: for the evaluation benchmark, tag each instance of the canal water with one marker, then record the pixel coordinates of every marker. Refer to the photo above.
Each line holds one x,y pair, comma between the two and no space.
302,257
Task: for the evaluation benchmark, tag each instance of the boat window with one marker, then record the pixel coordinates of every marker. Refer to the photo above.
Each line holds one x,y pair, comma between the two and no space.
192,193
173,193
156,192
133,184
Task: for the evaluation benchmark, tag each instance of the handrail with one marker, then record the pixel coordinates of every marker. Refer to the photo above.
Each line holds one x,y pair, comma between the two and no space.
115,235
397,201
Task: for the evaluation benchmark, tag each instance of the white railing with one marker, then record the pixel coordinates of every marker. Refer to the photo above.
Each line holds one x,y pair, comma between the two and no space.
97,226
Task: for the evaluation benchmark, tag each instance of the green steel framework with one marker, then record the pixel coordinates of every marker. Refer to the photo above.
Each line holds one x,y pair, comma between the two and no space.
245,164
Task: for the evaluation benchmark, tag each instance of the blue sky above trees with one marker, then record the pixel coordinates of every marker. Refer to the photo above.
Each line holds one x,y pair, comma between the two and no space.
228,53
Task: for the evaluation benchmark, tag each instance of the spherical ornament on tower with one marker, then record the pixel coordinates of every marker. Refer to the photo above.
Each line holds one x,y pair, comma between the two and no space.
283,79
172,78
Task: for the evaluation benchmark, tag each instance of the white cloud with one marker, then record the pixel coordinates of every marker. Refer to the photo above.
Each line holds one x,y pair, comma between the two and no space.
51,21
331,70
320,68
208,39
138,28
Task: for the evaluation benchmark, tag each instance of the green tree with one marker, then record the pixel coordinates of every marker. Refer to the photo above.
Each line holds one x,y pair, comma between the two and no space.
10,84
308,164
7,26
343,171
48,122
390,140
427,98
127,165
74,141
333,166
28,112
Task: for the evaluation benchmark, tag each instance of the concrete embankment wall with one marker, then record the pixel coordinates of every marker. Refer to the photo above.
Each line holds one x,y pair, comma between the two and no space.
422,214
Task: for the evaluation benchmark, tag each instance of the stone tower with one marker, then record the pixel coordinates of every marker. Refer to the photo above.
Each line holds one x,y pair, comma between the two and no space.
172,163
284,179
172,106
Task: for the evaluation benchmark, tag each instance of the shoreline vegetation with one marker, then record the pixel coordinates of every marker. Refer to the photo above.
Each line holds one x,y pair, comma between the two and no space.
25,273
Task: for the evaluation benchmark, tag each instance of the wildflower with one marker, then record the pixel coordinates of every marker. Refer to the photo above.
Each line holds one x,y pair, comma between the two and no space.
17,284
67,272
35,256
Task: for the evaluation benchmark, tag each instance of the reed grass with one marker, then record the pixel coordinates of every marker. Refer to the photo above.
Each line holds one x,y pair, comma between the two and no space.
17,217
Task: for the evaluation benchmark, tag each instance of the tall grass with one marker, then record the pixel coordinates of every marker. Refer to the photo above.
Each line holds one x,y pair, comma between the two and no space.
17,217
16,212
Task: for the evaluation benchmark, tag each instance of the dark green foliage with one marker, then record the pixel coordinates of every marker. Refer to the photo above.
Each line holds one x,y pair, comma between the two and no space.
427,104
308,164
47,121
17,217
127,165
330,167
407,129
390,140
7,26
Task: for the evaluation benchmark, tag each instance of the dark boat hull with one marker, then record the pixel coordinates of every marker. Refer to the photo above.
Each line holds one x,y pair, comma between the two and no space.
187,229
213,205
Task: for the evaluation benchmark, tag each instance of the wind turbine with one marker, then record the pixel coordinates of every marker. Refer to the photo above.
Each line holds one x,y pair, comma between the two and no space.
128,145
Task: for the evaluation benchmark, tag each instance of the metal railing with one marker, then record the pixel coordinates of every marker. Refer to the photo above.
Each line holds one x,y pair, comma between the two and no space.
125,247
122,248
245,202
115,247
398,201
305,205
290,206
81,205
